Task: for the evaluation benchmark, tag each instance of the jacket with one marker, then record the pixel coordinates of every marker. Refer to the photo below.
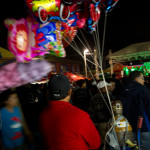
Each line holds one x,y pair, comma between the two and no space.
136,102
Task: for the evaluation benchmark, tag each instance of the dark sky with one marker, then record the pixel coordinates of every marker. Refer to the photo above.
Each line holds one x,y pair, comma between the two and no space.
127,23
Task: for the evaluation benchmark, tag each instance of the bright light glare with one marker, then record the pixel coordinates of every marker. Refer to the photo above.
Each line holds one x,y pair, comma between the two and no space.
86,51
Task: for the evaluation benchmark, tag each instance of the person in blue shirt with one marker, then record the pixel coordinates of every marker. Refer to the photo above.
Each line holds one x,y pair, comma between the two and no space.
12,126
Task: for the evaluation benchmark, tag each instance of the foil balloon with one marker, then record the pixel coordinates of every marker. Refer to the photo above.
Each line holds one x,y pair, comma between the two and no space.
34,70
68,35
48,38
20,40
45,10
108,5
9,77
18,74
94,17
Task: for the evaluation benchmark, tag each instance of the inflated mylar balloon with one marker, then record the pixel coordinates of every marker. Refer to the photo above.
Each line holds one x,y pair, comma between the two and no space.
18,74
45,10
108,5
34,70
68,35
48,38
20,40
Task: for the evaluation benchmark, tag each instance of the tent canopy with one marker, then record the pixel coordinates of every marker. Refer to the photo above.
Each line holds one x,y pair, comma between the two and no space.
133,50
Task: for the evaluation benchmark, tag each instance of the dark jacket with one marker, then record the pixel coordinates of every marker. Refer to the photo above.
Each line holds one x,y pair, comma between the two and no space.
136,102
81,98
98,110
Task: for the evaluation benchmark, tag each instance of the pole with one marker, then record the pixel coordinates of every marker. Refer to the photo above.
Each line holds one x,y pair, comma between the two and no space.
111,63
96,64
85,63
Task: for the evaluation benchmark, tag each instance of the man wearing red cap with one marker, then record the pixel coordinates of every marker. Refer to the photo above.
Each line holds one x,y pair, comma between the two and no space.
63,126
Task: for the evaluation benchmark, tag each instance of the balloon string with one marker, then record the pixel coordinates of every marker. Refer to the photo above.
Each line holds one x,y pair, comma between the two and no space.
100,62
78,50
85,40
90,72
104,34
92,76
104,76
99,90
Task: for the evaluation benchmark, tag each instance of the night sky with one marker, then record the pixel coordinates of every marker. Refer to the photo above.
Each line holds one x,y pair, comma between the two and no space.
127,23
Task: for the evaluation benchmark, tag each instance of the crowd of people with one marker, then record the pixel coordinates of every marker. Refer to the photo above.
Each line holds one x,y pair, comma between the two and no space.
71,116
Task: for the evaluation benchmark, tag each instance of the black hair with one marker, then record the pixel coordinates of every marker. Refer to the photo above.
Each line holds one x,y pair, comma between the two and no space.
113,75
5,95
108,80
133,75
80,82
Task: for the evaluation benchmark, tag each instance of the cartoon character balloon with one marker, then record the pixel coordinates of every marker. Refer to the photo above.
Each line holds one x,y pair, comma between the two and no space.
28,39
20,40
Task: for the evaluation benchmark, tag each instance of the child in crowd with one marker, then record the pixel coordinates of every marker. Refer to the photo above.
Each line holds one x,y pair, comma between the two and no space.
12,126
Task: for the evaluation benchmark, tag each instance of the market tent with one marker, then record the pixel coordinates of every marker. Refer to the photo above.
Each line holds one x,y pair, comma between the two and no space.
132,51
73,77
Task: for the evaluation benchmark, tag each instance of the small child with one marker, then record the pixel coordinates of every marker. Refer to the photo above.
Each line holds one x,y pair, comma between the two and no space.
12,128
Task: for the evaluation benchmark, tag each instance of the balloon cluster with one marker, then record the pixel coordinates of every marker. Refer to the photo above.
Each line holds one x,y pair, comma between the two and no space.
53,26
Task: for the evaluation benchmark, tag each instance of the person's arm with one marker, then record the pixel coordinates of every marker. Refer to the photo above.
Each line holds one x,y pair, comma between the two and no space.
89,132
28,133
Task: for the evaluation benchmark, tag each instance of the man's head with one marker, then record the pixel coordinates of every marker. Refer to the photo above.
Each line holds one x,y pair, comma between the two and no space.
112,87
137,76
101,85
9,98
59,87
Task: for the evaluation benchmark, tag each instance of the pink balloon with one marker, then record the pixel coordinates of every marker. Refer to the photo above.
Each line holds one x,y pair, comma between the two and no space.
21,39
22,73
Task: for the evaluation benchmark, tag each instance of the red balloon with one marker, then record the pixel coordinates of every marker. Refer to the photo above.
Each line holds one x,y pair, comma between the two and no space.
68,36
94,12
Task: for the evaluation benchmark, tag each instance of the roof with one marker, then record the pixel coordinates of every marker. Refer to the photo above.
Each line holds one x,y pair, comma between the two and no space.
61,60
133,50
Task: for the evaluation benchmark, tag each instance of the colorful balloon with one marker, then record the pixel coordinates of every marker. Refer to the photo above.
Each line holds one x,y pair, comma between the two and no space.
20,40
18,74
48,38
45,10
34,70
28,39
68,35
